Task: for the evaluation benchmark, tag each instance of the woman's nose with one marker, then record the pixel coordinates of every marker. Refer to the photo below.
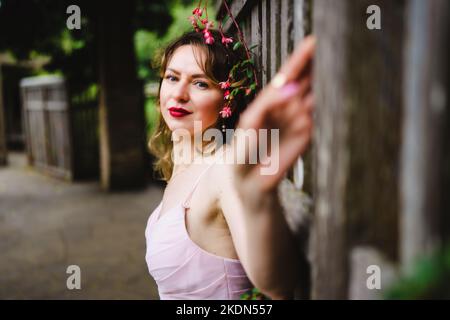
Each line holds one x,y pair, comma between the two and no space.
180,91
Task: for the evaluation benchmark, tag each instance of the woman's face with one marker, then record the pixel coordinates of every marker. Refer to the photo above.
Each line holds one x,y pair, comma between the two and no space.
186,94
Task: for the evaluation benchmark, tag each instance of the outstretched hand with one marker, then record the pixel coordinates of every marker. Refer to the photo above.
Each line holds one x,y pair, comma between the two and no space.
285,104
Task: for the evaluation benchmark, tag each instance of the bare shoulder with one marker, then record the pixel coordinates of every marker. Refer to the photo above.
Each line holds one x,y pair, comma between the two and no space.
221,174
221,171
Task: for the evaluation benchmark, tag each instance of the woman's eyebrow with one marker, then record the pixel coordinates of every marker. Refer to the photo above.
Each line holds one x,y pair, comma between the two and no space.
198,75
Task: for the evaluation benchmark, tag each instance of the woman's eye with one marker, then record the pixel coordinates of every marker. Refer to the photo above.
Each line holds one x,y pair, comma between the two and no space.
202,85
171,78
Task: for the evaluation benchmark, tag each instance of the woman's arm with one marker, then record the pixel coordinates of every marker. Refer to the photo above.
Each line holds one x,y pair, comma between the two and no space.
262,239
248,197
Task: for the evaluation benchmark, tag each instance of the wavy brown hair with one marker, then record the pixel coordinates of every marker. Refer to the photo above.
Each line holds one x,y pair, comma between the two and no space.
218,61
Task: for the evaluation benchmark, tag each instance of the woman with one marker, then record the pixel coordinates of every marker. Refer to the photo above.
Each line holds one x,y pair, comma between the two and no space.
219,229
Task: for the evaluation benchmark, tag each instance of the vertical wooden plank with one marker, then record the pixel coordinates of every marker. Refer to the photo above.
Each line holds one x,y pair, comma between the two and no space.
244,25
3,149
122,150
425,130
36,136
25,123
266,41
302,18
52,142
328,249
275,37
375,80
358,85
294,26
36,107
68,142
298,16
256,16
48,143
286,34
248,23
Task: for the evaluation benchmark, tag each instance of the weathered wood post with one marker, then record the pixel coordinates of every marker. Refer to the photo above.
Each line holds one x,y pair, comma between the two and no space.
381,149
3,149
425,179
358,82
122,121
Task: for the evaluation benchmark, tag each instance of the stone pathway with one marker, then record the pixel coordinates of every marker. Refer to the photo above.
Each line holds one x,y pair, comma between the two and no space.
47,225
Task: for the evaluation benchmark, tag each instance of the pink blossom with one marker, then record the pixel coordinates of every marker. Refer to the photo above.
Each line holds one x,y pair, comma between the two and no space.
193,21
226,112
208,38
226,95
224,85
248,91
226,40
208,24
198,12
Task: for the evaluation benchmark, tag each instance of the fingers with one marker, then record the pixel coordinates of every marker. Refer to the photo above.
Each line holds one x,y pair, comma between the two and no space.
309,102
294,108
299,60
284,86
282,154
273,100
265,103
287,155
286,104
289,151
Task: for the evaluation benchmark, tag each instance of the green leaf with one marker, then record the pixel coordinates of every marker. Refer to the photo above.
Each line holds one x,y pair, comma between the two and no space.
237,45
248,61
225,19
235,92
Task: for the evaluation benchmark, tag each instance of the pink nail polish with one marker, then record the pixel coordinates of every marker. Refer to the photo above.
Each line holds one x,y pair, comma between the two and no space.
290,89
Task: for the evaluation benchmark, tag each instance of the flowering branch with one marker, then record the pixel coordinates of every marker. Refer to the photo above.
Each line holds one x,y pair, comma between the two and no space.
245,81
241,37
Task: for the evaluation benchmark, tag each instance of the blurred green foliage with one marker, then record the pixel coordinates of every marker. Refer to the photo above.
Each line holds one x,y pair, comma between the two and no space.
149,46
32,29
253,294
36,30
429,279
151,114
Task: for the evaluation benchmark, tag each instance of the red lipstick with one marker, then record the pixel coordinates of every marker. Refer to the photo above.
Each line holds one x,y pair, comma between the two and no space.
178,112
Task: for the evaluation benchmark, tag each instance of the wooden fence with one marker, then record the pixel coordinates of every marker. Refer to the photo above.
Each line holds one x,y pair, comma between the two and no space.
378,171
61,141
3,149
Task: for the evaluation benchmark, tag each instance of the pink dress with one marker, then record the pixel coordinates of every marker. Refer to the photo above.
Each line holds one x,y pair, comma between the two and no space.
183,270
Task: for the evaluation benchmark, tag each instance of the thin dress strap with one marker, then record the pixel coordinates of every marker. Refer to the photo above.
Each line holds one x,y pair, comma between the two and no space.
186,202
158,210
